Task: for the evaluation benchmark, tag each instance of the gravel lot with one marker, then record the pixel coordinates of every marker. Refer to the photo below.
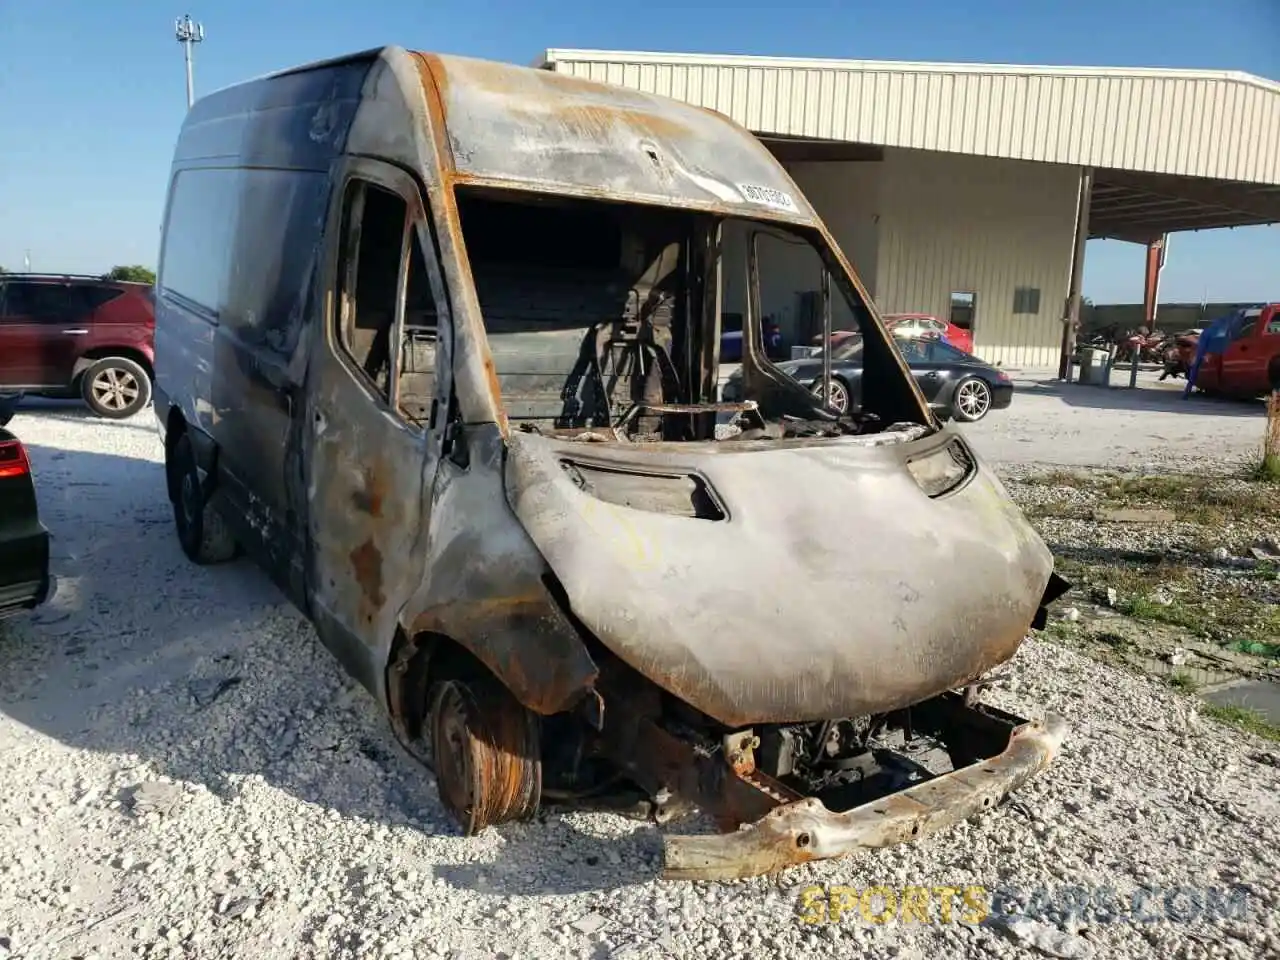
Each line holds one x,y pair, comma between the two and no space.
1086,426
188,774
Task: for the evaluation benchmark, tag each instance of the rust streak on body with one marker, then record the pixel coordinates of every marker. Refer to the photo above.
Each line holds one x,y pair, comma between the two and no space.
366,561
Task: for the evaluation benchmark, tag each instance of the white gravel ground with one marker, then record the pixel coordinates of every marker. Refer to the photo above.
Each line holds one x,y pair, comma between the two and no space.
1087,426
281,820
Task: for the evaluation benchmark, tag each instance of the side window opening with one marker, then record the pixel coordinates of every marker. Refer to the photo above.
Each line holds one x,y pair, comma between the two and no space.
417,372
377,227
788,280
385,267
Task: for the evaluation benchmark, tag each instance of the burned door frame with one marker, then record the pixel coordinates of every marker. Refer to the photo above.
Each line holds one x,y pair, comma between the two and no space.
370,471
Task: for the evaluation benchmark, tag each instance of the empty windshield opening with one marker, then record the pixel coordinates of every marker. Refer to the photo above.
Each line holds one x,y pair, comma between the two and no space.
602,323
586,308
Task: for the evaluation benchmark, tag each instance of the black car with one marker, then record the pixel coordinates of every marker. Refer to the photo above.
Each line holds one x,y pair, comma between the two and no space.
955,383
24,542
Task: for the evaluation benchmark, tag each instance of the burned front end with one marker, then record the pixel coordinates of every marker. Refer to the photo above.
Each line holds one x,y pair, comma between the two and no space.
792,637
772,610
791,610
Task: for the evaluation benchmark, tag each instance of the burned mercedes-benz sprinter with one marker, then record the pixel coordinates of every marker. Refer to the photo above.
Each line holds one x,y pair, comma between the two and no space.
437,344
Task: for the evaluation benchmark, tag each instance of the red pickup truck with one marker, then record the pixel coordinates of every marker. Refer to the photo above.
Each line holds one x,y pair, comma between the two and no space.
1248,365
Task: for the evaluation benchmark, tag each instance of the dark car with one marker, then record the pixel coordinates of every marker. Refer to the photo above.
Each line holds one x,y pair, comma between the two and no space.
64,335
731,344
955,382
24,542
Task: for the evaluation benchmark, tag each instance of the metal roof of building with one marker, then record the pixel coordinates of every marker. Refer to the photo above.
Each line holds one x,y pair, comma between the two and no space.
1173,149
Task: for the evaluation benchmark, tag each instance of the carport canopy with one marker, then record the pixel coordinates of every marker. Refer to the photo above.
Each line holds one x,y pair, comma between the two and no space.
1169,150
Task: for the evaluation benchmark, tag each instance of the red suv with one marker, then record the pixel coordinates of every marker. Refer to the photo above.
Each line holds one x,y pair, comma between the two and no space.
78,335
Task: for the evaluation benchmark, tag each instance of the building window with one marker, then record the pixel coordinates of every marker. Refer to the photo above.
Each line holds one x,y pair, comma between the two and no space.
964,305
1026,300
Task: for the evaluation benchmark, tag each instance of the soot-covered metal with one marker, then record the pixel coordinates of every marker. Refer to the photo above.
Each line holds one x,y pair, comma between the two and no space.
567,566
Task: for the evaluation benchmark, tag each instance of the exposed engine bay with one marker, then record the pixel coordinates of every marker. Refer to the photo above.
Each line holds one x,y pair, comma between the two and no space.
871,777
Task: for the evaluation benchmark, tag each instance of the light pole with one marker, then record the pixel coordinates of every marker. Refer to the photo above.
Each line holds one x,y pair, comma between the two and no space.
188,33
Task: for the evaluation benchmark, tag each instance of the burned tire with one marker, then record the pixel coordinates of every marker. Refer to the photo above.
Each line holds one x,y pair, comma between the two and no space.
486,751
202,532
115,387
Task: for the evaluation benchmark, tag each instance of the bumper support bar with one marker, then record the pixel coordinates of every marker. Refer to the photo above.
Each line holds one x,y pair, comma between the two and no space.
806,830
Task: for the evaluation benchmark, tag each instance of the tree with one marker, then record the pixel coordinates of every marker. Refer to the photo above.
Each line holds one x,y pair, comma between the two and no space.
135,273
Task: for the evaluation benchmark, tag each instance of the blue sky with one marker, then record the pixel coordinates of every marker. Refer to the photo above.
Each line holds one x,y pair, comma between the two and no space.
92,93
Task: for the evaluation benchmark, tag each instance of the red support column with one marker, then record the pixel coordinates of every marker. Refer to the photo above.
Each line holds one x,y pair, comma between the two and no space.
1156,251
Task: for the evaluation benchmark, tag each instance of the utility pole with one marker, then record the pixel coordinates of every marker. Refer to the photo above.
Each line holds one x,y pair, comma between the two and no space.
188,33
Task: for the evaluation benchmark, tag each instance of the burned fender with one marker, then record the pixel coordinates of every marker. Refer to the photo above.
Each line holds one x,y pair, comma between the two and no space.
489,589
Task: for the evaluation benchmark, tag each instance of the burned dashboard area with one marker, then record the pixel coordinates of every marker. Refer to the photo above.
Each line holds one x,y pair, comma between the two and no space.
604,322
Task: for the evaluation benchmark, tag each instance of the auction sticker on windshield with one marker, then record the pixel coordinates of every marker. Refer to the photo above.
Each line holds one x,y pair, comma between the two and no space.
767,196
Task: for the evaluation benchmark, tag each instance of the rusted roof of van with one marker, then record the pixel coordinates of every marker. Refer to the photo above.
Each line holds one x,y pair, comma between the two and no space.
524,127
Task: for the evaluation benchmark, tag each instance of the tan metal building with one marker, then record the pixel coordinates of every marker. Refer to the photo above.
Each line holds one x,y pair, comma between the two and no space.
958,184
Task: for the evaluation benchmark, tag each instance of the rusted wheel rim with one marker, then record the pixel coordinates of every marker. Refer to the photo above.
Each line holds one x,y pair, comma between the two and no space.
453,749
486,754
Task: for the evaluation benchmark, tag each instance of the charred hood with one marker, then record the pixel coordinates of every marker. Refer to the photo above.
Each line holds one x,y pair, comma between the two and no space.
786,582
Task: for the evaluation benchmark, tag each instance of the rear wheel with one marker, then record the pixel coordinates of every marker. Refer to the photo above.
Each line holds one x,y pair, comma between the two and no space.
838,397
486,751
202,532
115,387
971,401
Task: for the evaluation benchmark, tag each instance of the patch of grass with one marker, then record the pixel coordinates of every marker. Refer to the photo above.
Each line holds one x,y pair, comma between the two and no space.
1060,478
1160,488
1061,509
1175,614
1059,629
1236,622
1260,648
1264,469
1200,499
1114,640
1244,719
1181,680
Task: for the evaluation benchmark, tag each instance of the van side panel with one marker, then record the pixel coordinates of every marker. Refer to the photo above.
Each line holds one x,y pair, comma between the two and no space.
243,232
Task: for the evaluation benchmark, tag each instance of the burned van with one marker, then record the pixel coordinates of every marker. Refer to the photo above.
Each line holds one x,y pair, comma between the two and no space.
437,345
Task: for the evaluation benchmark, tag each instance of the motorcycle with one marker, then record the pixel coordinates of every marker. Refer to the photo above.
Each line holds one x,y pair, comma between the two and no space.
1178,355
1148,347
